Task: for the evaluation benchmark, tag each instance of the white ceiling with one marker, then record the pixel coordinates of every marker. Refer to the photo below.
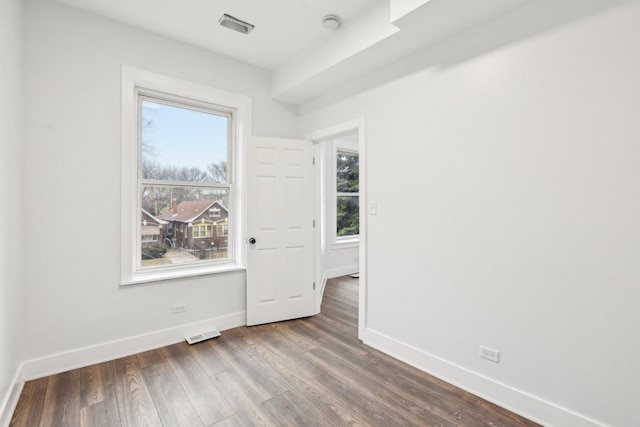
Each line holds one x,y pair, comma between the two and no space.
308,61
282,27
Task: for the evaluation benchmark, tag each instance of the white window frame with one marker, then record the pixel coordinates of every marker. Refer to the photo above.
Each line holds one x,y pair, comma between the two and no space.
133,81
342,241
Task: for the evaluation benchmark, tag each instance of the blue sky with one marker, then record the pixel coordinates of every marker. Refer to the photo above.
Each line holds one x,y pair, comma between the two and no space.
181,137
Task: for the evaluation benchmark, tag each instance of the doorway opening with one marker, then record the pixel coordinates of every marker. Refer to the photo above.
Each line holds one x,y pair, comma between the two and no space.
340,303
341,209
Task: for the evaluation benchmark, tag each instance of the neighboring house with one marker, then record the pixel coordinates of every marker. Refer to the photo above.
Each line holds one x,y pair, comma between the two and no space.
152,229
202,224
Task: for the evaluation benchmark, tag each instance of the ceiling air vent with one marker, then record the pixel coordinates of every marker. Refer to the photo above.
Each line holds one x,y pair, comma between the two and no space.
235,24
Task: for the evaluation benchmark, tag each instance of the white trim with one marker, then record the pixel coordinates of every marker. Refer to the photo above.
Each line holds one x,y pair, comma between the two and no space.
324,135
158,220
364,221
318,224
341,271
346,244
197,270
86,356
339,146
10,400
132,80
503,395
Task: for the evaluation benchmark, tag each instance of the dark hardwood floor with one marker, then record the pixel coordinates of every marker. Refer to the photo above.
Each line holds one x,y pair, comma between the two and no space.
306,372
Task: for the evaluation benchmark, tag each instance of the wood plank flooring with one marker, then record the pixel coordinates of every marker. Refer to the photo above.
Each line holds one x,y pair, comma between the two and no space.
306,372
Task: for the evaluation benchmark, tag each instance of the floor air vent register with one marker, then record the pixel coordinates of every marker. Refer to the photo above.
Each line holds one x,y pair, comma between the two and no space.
194,339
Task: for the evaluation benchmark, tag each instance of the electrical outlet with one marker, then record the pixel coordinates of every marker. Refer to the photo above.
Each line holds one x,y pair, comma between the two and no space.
179,308
489,354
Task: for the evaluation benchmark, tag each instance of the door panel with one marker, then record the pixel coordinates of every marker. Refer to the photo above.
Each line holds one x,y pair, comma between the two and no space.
280,203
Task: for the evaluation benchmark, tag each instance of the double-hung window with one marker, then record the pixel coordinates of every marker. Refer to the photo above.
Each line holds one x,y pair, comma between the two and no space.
223,230
181,142
347,195
202,230
185,148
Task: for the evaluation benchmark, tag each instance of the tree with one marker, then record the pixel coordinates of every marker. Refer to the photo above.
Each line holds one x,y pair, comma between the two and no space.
218,171
347,187
156,198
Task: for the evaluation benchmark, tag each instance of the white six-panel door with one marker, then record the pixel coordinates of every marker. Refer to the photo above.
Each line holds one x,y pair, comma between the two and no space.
280,210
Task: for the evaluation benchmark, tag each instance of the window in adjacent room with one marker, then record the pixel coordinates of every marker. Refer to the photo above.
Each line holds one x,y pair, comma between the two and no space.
347,196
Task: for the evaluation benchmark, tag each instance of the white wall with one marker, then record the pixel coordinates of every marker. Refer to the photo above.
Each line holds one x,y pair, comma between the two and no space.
72,197
11,155
338,259
512,177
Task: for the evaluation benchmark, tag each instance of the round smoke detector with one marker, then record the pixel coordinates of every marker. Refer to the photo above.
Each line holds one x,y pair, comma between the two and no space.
331,22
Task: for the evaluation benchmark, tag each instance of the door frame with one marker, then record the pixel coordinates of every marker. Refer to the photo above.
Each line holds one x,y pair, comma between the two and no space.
321,135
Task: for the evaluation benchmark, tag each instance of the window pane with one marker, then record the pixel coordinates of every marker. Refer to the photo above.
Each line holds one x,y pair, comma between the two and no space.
179,218
347,173
348,216
182,144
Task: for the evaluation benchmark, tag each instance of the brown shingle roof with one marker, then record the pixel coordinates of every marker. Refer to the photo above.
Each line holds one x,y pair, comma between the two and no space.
188,211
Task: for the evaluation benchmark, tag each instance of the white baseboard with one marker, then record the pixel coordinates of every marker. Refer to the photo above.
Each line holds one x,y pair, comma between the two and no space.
79,358
517,401
341,271
10,401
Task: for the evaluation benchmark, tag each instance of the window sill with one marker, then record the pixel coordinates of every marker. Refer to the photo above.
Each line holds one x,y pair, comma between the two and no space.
158,276
346,244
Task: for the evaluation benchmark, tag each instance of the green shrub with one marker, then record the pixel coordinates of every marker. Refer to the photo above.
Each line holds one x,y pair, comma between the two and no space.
151,252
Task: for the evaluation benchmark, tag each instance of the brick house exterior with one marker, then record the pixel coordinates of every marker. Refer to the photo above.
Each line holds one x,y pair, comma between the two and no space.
202,224
152,230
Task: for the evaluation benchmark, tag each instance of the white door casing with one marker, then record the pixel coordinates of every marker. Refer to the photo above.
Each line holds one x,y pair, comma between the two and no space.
280,217
356,125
